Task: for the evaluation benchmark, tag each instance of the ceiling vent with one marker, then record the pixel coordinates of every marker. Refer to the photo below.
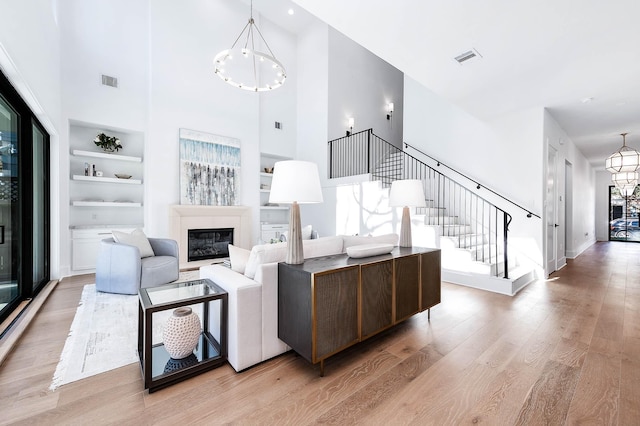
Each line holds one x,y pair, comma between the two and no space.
468,55
109,81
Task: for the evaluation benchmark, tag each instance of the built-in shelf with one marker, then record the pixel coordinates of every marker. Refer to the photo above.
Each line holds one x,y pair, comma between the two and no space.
266,174
265,190
107,180
106,204
95,154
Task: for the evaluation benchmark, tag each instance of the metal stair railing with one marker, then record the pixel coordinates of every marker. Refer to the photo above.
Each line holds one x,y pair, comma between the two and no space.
471,221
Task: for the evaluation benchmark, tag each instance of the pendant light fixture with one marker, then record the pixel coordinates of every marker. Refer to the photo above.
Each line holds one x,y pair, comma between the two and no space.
246,68
623,160
624,179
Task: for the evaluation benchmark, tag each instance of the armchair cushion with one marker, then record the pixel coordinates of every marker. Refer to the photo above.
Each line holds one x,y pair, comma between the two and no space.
121,269
136,239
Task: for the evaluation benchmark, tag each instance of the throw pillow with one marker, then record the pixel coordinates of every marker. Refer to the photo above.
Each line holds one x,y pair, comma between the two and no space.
137,239
265,253
238,257
305,231
325,246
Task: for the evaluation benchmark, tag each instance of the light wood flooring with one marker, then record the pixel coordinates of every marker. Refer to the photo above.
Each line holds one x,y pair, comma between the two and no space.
563,351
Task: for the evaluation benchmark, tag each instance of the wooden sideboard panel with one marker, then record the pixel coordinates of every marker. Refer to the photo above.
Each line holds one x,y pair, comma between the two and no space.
430,279
336,311
329,303
377,300
294,310
407,270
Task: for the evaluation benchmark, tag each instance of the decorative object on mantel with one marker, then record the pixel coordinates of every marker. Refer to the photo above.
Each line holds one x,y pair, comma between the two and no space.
209,169
295,182
406,193
108,143
181,333
253,67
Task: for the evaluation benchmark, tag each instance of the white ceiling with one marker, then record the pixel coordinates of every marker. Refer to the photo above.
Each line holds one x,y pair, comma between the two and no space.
544,53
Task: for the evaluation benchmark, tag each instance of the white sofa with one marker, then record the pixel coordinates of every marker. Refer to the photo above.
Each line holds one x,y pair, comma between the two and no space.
253,296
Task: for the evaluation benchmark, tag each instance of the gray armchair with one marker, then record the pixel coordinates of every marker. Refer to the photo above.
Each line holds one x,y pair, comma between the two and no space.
120,269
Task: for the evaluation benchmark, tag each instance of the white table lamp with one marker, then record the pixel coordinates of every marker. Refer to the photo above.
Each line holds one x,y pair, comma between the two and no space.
295,182
406,193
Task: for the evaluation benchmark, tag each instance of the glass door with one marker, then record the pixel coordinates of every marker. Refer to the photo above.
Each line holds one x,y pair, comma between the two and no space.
623,215
9,292
24,202
40,207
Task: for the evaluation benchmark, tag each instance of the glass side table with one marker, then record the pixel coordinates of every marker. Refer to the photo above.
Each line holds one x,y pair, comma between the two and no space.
210,302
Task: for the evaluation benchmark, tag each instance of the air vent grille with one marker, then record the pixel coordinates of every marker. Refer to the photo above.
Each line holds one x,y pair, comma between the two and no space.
109,81
470,54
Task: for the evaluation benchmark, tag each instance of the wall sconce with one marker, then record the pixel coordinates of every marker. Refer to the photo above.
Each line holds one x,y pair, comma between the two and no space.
389,110
350,129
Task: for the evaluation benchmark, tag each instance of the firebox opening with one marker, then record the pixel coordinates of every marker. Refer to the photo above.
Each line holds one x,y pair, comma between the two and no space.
209,243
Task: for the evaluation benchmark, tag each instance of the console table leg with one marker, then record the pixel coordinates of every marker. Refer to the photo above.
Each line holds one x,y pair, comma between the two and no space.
322,368
428,314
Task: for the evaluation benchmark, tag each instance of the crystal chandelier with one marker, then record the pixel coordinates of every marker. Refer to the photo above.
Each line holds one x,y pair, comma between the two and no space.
245,67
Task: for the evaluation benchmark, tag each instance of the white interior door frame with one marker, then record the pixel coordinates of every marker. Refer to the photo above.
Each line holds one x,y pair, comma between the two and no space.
551,210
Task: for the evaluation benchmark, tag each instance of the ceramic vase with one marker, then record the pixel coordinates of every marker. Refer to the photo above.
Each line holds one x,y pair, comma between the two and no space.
181,333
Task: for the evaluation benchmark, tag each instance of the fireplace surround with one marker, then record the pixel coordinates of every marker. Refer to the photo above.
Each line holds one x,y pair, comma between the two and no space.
185,217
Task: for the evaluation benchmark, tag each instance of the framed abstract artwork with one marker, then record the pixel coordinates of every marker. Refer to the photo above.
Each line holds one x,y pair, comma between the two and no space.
209,169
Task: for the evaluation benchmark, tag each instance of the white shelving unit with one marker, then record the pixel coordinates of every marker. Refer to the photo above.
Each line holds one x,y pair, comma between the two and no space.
273,219
101,204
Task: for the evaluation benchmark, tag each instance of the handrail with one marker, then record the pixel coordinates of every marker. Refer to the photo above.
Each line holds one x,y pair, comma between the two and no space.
478,184
469,220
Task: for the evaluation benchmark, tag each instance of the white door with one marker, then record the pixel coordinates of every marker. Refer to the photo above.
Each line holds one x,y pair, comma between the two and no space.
552,211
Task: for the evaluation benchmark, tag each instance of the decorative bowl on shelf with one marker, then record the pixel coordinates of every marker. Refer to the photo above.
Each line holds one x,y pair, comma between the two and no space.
268,169
122,176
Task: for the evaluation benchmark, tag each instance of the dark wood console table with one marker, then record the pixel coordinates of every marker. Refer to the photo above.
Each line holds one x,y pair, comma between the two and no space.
327,304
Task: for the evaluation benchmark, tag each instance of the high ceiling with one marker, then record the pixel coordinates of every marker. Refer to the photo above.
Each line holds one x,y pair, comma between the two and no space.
578,59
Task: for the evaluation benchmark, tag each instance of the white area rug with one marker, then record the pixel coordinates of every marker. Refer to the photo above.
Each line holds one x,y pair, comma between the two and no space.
103,334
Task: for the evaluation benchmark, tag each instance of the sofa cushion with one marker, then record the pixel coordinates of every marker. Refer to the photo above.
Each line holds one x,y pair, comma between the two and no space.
265,253
354,240
366,250
324,246
136,239
238,258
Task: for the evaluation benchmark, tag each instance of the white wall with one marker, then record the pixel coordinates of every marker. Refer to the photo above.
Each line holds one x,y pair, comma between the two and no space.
186,94
281,105
602,183
361,85
312,136
162,54
30,58
582,192
505,155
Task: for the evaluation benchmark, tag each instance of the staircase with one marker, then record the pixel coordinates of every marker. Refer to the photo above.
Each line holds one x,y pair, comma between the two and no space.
471,232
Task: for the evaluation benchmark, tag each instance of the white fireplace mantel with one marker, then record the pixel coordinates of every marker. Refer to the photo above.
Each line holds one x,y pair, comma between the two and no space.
185,217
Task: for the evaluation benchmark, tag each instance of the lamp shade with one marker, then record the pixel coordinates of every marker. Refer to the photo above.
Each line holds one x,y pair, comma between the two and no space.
407,192
295,181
